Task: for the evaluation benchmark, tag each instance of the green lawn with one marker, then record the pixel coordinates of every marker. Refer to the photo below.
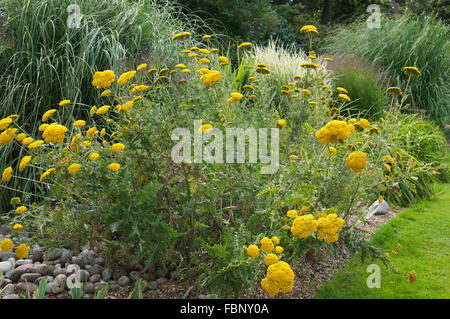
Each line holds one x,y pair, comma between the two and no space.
423,230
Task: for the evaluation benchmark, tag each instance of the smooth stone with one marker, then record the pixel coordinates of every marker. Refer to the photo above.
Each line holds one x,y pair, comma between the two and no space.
54,253
41,269
59,284
21,262
7,255
5,282
84,275
49,288
7,265
77,261
152,285
173,275
123,281
59,271
382,209
30,277
87,296
51,269
87,267
88,288
11,297
96,269
9,289
37,254
161,280
99,260
48,278
113,286
95,278
106,274
16,273
24,286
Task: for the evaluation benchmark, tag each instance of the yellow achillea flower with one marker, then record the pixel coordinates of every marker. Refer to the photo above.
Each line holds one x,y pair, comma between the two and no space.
163,70
292,213
411,70
235,97
86,143
329,226
244,45
36,144
17,226
342,90
253,251
140,88
47,115
279,250
345,97
151,71
399,246
204,61
275,240
21,137
206,37
72,169
92,111
211,77
186,71
333,132
356,161
363,123
64,102
193,55
15,200
390,159
394,252
271,259
214,50
102,132
54,133
22,251
45,174
103,79
102,110
24,162
194,49
141,66
127,106
94,156
309,29
79,123
181,35
21,209
266,245
114,167
117,147
7,136
306,91
205,128
263,71
394,91
6,175
89,133
186,51
204,51
27,140
281,123
6,245
309,65
125,77
279,279
180,66
106,93
387,167
42,127
4,123
223,60
328,59
304,209
248,87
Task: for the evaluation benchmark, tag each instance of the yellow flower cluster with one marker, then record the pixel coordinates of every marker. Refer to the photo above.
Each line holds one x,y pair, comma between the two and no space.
54,133
210,77
356,161
125,77
303,226
333,132
279,279
103,79
329,226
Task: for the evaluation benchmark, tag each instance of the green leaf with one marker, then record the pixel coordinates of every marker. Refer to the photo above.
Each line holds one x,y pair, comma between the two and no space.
102,293
77,292
40,293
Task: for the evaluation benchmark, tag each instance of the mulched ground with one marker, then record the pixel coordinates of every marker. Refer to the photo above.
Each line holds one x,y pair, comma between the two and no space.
310,275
